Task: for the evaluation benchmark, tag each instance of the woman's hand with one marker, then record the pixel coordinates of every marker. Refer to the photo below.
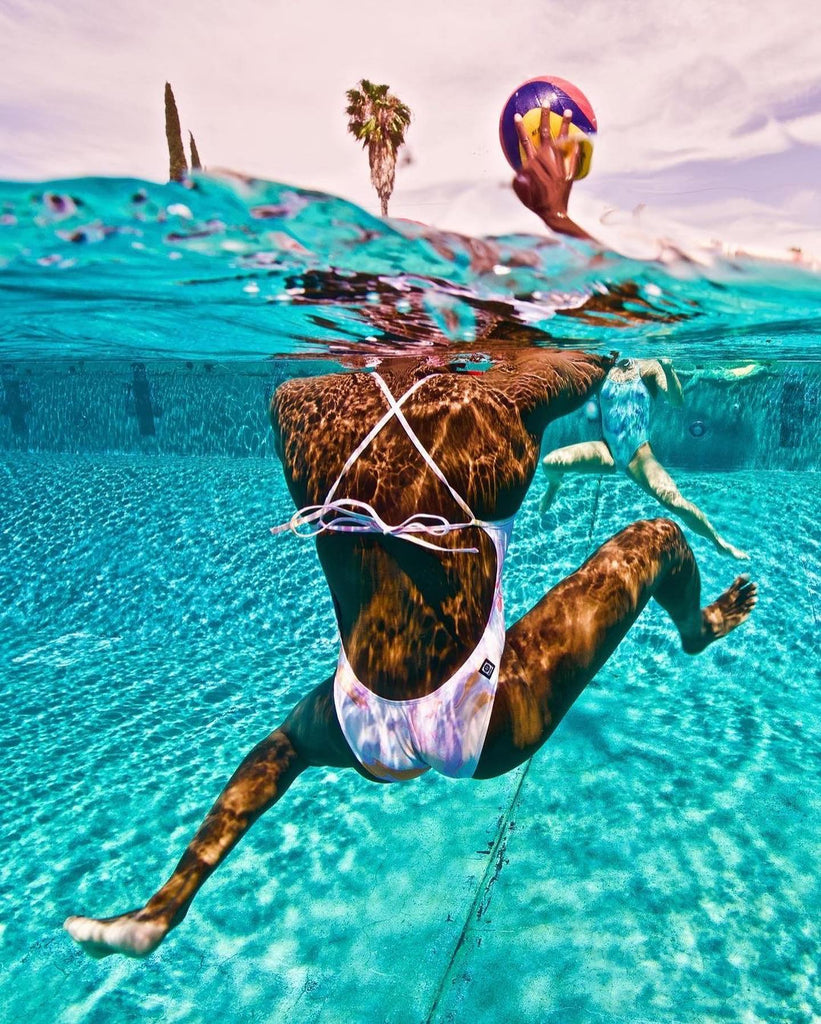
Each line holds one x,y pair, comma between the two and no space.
546,177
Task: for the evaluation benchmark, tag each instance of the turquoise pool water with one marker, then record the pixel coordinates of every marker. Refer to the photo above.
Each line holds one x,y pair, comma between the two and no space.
656,861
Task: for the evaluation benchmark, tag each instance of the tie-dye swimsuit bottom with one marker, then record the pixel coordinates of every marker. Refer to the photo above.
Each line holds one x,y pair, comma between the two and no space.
397,740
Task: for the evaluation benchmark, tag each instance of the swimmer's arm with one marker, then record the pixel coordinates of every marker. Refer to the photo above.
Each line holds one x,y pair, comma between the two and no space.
544,182
302,412
295,407
273,415
660,377
546,384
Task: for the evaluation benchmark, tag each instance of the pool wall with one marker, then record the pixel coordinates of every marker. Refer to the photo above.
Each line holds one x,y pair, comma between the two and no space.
204,408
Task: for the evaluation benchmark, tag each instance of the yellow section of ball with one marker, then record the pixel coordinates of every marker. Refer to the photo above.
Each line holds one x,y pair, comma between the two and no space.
532,121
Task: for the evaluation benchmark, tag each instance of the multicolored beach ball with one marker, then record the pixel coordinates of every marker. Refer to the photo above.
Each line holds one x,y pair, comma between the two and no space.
559,95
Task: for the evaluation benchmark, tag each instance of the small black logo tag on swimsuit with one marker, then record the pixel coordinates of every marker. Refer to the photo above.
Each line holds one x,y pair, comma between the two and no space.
486,668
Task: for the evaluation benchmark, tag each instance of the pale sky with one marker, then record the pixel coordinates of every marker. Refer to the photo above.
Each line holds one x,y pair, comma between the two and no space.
706,109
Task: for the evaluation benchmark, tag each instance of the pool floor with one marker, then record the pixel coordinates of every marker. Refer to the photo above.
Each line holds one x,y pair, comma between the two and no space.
656,861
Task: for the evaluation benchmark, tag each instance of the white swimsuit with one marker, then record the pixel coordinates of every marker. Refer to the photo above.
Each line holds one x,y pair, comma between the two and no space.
397,740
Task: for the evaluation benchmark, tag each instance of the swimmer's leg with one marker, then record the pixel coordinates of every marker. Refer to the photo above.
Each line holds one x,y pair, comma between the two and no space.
310,736
586,457
653,478
554,651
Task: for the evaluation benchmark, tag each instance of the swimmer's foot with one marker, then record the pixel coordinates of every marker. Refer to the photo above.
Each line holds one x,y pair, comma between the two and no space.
728,549
722,616
126,934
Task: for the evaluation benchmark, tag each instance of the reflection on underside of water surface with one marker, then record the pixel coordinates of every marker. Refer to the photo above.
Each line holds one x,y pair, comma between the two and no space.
232,267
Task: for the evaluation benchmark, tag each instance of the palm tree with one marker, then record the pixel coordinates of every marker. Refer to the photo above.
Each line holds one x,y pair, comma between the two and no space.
379,120
196,163
178,167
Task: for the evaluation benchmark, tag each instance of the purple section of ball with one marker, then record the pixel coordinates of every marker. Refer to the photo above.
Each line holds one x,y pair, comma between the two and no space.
527,97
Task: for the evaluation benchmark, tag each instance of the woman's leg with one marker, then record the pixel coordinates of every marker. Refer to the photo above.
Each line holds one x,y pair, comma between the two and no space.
310,736
586,457
554,651
653,478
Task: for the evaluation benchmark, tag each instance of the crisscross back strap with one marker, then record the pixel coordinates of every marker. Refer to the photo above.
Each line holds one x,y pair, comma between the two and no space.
394,409
353,516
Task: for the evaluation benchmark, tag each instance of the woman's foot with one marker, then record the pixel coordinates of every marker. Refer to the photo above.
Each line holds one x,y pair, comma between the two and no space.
723,615
126,934
728,549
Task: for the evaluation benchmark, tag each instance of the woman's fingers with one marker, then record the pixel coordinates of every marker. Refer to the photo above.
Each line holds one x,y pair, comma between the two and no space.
572,158
524,138
544,126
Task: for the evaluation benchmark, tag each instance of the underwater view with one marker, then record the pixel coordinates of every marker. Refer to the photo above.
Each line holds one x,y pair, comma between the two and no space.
655,861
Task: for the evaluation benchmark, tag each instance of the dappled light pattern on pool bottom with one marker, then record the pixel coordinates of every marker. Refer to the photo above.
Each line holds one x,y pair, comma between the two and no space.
656,860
